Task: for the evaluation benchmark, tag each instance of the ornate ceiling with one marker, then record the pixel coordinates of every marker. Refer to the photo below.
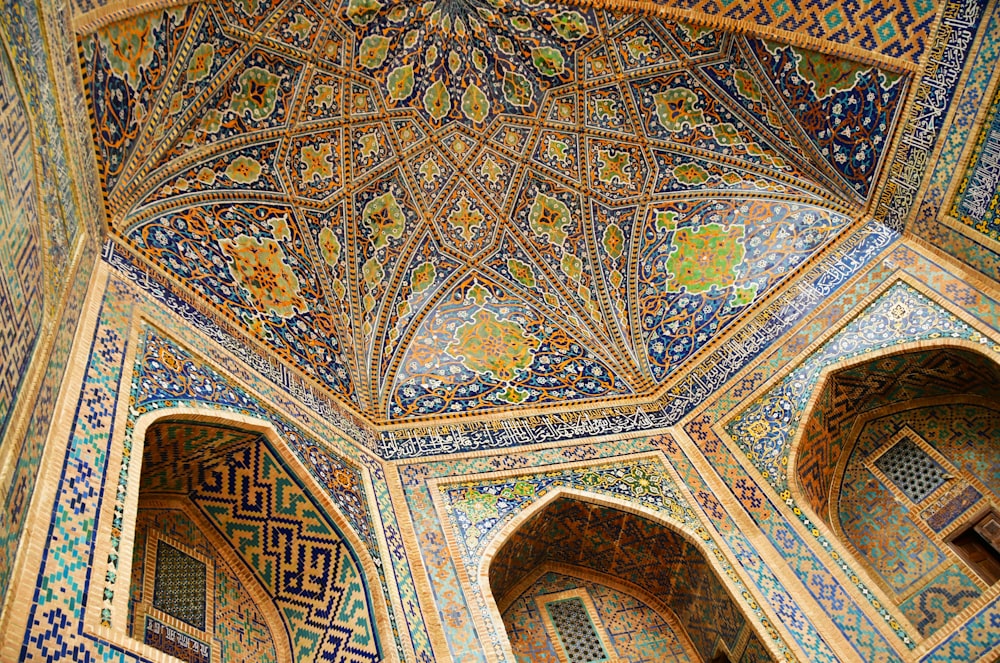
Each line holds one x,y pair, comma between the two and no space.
455,207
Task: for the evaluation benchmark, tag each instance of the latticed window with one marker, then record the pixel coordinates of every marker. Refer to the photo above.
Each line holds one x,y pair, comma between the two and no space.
179,589
576,631
911,469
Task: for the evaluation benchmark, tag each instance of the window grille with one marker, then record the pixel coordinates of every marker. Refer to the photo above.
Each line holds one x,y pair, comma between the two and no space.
576,631
911,469
179,588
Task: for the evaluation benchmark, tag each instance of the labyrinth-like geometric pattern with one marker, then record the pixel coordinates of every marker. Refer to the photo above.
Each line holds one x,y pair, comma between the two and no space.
21,293
282,534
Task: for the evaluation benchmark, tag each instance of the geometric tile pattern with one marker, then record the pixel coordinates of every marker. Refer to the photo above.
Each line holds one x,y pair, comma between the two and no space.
890,379
884,531
919,570
577,633
21,287
54,624
166,374
179,587
944,597
977,640
241,631
850,614
61,215
763,428
895,30
279,531
449,227
55,615
606,480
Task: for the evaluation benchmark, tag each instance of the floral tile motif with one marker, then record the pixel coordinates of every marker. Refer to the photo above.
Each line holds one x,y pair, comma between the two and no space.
336,187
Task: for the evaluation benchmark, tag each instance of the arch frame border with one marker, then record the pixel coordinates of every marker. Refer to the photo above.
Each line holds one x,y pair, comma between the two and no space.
989,343
486,618
117,632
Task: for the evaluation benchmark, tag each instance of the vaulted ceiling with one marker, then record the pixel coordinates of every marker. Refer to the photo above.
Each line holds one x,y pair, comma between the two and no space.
461,206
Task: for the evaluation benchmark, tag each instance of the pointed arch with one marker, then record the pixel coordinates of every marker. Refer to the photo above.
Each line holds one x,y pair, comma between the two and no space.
841,472
291,493
686,536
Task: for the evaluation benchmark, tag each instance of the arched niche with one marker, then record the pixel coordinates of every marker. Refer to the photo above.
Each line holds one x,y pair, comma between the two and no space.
899,458
679,608
278,573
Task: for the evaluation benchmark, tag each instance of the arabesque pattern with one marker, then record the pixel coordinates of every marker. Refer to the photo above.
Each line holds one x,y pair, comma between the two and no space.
454,207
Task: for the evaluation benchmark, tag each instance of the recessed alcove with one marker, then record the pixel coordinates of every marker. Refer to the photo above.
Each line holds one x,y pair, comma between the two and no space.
234,559
585,582
899,458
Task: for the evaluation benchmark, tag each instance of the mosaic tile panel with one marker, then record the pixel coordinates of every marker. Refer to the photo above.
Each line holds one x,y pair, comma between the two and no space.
362,289
875,384
57,605
885,533
977,199
851,618
350,606
175,643
57,224
847,110
949,48
978,638
630,548
840,265
21,284
607,481
957,432
915,566
967,105
946,595
59,175
241,632
763,430
576,632
279,531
